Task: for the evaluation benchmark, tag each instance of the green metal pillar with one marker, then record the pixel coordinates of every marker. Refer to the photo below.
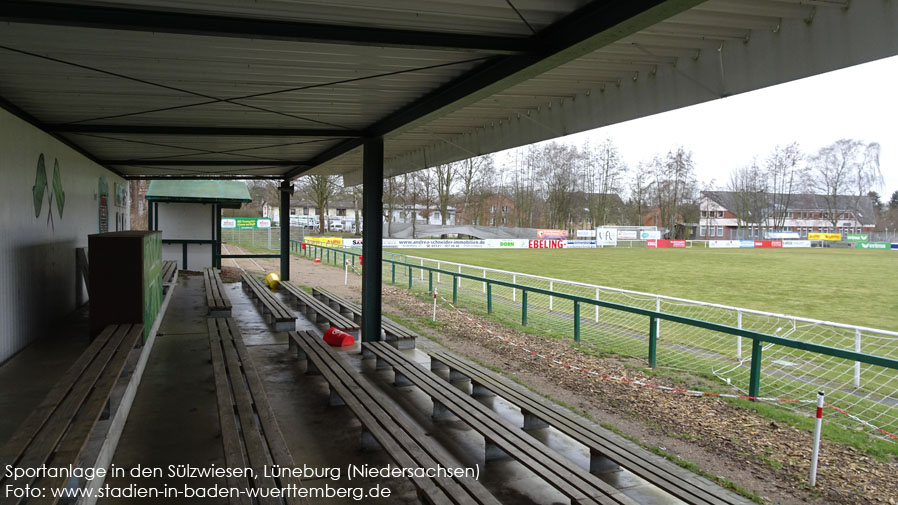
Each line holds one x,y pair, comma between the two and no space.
430,281
409,277
754,380
454,289
286,190
576,321
392,273
523,307
653,341
489,298
372,236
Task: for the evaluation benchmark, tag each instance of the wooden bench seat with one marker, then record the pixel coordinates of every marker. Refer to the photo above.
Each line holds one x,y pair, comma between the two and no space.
399,335
250,435
169,272
388,426
319,312
607,450
503,439
276,312
58,430
216,299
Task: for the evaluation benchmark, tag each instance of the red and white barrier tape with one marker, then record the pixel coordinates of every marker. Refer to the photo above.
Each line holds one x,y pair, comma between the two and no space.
690,392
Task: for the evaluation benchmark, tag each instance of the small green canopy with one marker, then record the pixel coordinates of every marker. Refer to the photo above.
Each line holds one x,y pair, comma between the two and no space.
225,193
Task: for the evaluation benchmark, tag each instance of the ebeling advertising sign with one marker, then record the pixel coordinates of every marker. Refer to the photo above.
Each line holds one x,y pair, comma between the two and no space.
389,243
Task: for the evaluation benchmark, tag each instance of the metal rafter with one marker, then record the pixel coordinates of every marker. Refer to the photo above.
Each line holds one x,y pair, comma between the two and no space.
201,130
114,18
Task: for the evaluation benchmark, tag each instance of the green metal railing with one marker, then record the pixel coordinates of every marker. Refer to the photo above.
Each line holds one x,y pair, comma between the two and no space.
331,255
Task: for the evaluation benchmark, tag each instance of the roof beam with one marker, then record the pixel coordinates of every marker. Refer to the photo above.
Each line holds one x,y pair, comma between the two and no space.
201,130
203,163
113,18
595,25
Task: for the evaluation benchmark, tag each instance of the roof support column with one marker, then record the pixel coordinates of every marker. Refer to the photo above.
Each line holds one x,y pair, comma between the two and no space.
372,237
286,190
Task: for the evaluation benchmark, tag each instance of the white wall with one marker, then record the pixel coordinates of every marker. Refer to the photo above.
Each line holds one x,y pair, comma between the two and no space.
37,256
187,221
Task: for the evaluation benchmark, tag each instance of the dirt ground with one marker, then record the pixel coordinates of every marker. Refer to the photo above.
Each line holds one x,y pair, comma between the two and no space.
766,458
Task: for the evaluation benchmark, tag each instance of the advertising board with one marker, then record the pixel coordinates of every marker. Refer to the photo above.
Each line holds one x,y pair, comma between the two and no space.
245,223
551,234
580,244
857,237
586,233
649,235
873,245
627,235
796,243
606,237
824,236
665,244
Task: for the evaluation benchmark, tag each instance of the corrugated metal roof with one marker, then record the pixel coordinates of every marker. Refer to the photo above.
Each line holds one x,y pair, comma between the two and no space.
439,79
198,191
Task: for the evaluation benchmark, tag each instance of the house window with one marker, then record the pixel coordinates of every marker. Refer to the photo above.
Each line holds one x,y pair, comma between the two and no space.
505,209
703,231
292,212
720,231
492,209
492,221
305,211
719,213
341,212
504,222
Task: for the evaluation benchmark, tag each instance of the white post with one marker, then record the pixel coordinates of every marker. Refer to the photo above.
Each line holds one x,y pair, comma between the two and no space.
459,277
551,288
857,364
422,269
346,273
739,338
484,282
658,303
514,292
597,307
434,304
269,238
439,267
818,424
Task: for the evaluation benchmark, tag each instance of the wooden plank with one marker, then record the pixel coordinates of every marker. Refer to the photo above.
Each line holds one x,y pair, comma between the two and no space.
320,309
392,418
278,310
25,433
230,436
386,434
271,431
76,438
679,482
249,425
390,327
43,444
564,475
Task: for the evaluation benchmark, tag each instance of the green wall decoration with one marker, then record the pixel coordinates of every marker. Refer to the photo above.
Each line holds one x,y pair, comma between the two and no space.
40,184
103,205
57,189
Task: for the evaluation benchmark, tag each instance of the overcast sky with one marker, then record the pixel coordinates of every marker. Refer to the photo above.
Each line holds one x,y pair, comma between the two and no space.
859,102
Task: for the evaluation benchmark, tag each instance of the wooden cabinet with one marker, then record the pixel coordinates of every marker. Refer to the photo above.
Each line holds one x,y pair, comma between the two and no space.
125,278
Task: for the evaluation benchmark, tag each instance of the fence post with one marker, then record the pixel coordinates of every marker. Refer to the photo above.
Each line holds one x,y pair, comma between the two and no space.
422,269
857,364
430,281
489,298
409,277
439,267
738,337
653,341
514,292
754,380
454,290
484,282
523,307
818,424
552,288
577,321
597,307
393,273
459,279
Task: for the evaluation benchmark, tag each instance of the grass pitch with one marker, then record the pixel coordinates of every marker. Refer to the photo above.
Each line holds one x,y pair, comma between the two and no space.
841,285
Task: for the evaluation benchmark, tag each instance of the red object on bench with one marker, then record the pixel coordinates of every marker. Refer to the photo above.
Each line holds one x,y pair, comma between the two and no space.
338,338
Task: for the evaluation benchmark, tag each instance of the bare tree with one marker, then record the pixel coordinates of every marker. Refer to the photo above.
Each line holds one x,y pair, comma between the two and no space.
784,176
603,169
389,201
475,174
523,186
444,176
674,185
320,189
845,168
639,191
557,168
750,198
